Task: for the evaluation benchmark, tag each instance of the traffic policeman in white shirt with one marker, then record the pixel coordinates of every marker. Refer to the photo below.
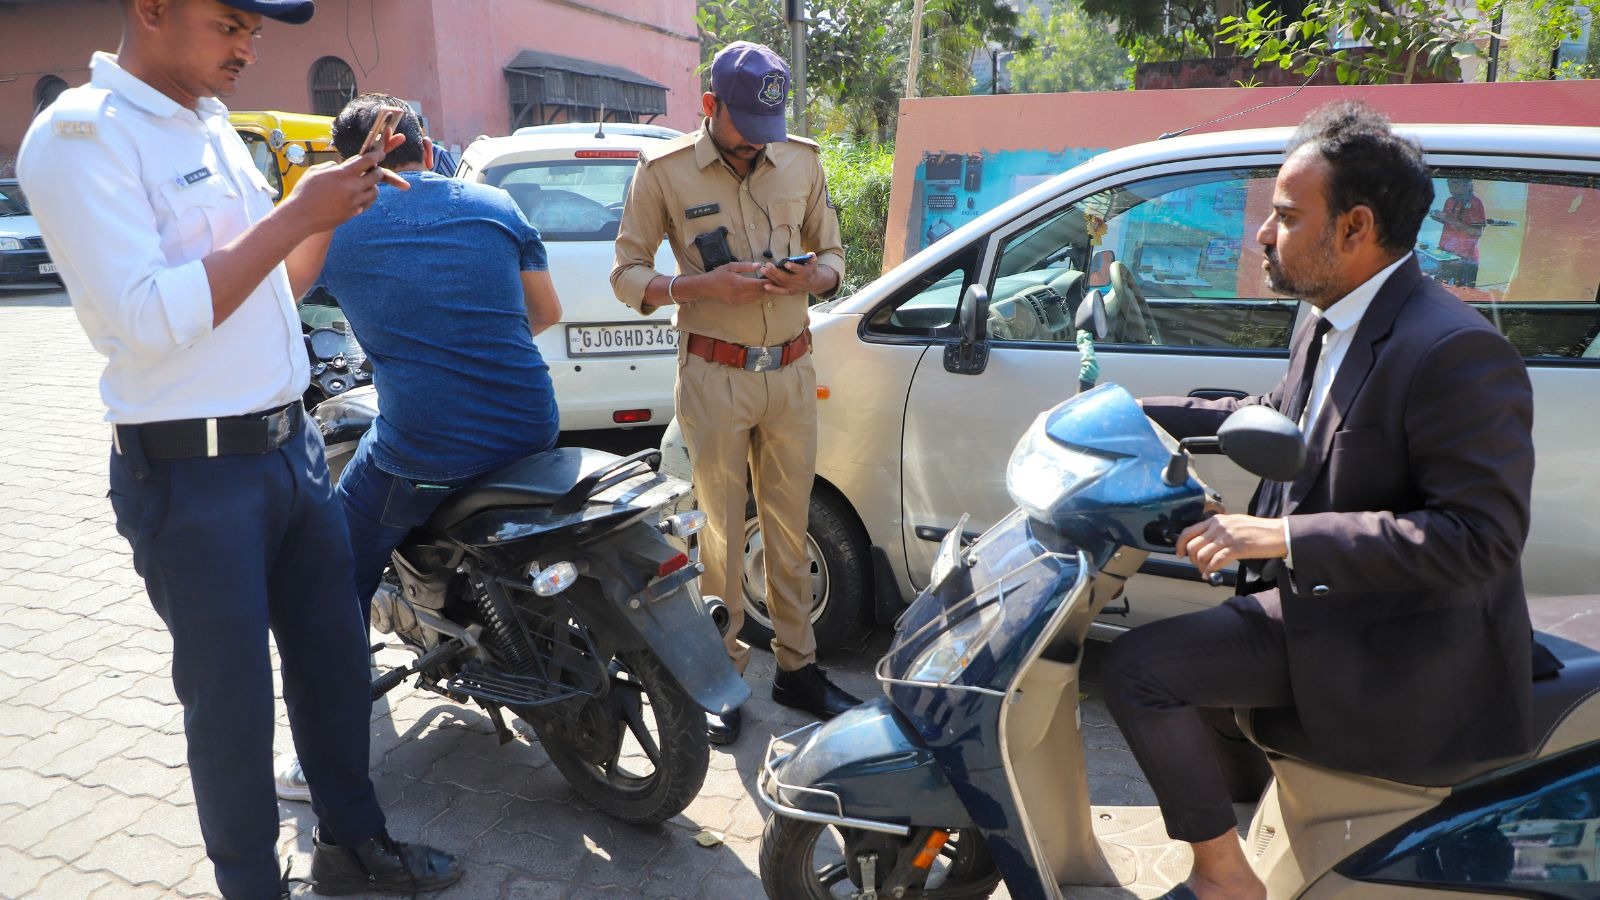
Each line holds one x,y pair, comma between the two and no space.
169,245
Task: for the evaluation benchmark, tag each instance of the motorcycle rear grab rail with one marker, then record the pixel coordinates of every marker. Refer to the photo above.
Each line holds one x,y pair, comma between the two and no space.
602,478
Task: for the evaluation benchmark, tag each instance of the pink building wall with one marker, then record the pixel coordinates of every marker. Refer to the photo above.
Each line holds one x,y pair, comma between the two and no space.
447,55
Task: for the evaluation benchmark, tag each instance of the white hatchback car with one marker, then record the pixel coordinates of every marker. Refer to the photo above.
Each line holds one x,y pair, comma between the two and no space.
914,434
610,366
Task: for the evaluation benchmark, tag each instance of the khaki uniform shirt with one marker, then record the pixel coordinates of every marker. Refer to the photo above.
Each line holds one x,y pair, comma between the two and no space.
685,188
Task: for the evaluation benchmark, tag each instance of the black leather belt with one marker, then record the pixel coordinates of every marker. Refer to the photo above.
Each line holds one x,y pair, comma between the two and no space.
260,432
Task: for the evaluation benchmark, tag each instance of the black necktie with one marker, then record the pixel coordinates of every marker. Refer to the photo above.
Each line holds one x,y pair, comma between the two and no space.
1298,391
1307,373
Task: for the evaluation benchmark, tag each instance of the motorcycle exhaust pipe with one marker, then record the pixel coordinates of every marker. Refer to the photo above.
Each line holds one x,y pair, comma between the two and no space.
718,611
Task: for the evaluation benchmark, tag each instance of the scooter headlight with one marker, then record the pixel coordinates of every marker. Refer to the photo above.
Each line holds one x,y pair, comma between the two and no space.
1043,471
949,654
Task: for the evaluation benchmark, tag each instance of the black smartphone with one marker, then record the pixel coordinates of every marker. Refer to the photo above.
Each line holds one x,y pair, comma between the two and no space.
800,260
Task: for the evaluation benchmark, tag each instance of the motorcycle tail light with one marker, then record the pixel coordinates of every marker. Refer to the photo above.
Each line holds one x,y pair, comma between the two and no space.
677,562
552,580
684,524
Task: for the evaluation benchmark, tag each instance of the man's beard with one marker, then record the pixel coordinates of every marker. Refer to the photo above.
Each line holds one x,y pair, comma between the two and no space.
739,150
1315,278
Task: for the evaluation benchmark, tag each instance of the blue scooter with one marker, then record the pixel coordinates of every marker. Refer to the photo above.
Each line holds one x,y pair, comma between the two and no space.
970,769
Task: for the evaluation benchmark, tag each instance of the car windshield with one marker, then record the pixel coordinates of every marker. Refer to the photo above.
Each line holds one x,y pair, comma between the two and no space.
13,202
568,200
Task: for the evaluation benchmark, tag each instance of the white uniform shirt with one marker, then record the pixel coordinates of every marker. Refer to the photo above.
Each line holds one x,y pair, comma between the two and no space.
131,191
1344,317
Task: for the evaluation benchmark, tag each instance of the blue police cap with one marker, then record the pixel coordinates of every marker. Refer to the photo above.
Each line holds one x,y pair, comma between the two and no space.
295,12
754,83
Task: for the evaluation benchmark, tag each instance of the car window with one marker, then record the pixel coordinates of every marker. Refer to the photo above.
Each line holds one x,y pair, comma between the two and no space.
568,200
1174,258
13,202
1518,246
927,306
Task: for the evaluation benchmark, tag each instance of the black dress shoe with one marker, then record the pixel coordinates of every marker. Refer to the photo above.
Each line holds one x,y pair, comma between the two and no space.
809,689
380,865
723,729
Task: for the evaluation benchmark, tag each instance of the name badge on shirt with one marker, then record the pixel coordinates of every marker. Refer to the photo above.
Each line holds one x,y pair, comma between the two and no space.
198,175
695,212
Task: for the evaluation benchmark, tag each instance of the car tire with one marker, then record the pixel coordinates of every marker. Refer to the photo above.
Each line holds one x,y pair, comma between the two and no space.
841,568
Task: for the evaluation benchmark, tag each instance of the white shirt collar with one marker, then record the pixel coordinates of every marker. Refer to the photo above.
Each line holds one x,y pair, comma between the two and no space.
1345,314
107,72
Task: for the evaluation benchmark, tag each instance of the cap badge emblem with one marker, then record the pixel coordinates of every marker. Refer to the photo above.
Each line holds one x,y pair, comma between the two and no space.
773,87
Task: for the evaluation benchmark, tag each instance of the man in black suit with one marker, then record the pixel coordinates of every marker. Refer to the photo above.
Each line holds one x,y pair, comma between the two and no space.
1381,593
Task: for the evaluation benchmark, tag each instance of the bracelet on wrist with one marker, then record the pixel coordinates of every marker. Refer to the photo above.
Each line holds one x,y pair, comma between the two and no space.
670,282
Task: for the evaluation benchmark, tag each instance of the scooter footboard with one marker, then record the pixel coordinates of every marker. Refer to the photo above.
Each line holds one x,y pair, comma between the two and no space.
864,769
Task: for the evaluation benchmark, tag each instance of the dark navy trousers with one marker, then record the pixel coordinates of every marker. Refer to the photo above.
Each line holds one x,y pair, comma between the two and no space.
230,547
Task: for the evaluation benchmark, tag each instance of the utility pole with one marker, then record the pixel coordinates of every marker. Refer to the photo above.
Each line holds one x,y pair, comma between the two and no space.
916,49
794,12
1494,45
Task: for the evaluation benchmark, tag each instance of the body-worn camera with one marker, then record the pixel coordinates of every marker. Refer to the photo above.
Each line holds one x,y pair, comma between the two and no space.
713,247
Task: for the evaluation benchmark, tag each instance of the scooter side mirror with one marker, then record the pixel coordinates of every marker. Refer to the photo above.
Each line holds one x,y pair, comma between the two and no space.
1091,315
1264,442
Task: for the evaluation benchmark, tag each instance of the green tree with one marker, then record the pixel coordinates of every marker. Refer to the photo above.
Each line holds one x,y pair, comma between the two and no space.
857,50
1381,41
859,175
1155,30
1073,51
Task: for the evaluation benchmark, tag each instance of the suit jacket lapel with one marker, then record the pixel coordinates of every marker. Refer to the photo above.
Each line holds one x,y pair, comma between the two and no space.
1353,371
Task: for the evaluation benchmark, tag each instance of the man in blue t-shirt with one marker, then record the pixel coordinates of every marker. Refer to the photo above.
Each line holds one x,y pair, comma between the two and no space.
445,285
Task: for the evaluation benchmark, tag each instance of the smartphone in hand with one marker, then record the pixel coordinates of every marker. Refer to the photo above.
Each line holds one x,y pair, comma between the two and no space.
800,260
383,126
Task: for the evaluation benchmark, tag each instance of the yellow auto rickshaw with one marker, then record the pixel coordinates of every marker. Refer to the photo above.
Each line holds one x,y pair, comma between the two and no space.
284,144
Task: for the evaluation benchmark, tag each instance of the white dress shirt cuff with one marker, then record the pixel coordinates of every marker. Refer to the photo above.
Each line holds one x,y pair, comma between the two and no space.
185,295
1288,544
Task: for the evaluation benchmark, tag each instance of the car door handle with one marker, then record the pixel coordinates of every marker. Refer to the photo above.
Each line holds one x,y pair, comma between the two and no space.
935,535
1217,394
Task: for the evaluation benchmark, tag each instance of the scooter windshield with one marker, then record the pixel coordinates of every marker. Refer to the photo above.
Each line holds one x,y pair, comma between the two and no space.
979,615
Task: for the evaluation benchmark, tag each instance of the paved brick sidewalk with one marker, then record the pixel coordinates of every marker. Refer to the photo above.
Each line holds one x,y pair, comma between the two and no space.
94,793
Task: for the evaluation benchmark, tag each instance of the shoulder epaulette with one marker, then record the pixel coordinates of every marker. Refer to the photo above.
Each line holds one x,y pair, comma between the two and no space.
76,113
805,142
658,149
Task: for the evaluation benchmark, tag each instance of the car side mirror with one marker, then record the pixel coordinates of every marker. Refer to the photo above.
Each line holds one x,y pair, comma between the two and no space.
1261,440
970,355
1091,315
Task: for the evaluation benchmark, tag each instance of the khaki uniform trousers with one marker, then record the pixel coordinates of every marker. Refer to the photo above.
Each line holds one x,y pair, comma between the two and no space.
764,422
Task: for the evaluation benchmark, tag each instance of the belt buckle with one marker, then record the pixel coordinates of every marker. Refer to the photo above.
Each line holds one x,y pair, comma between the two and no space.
277,428
758,359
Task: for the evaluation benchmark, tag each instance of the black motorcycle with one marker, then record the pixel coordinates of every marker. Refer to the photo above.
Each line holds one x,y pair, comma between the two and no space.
338,363
549,589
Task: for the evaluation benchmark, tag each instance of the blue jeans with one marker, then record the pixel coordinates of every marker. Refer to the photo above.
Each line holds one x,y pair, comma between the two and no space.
230,547
382,509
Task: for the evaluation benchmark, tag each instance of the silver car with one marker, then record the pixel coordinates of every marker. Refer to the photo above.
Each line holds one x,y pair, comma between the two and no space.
916,429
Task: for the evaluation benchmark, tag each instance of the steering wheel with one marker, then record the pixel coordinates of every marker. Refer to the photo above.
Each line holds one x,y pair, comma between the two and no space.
1129,313
1013,320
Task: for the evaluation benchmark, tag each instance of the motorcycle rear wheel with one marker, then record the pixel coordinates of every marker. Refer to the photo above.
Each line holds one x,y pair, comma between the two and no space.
790,868
676,747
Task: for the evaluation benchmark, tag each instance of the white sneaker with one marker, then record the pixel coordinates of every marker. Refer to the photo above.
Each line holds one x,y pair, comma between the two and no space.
291,782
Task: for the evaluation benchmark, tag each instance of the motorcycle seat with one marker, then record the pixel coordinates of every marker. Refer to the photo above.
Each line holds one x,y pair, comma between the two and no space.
1569,627
537,480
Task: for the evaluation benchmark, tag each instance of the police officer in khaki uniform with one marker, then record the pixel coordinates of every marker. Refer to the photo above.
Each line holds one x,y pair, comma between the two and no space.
735,200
